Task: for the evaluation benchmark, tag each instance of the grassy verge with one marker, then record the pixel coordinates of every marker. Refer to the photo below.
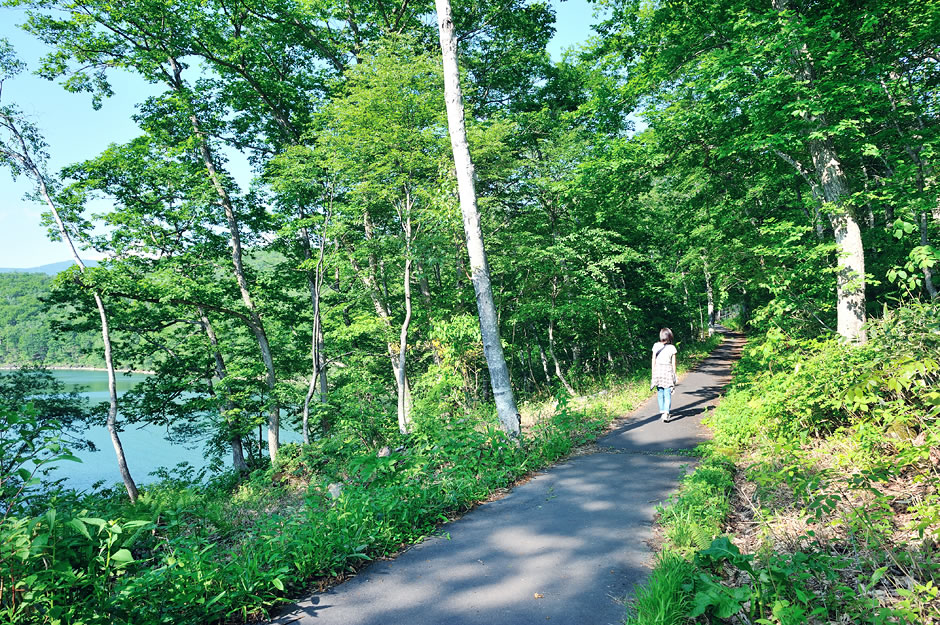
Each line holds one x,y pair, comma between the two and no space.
614,395
817,501
230,550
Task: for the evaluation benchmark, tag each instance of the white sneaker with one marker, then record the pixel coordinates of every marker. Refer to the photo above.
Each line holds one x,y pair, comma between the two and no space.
667,418
664,417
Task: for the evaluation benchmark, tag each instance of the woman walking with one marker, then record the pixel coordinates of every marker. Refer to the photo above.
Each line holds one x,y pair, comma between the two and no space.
664,371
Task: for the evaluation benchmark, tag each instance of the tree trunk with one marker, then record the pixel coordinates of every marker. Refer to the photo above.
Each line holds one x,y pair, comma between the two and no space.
489,329
370,281
928,273
610,358
548,377
551,352
381,310
129,483
26,159
710,295
686,302
850,276
404,404
257,326
426,293
111,422
238,455
317,351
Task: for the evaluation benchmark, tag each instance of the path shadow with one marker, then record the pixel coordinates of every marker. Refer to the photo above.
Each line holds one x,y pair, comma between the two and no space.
565,547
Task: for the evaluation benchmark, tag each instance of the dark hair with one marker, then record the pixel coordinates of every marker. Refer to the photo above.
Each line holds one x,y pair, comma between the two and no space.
665,336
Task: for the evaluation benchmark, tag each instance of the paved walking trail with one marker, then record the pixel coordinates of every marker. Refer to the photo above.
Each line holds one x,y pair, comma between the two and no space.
564,548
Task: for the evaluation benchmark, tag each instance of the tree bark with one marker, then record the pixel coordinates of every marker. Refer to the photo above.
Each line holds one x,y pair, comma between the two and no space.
317,343
548,377
381,310
710,296
850,275
111,422
928,273
404,404
610,358
238,455
26,159
256,325
370,281
551,352
489,328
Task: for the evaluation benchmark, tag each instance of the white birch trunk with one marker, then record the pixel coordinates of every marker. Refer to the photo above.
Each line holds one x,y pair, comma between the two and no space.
489,328
381,310
26,160
548,377
610,358
710,295
850,274
317,347
404,403
111,422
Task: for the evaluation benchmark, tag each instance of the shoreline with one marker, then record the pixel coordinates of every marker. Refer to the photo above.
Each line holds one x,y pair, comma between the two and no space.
77,368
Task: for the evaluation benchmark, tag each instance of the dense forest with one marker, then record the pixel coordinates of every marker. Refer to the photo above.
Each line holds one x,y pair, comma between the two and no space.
28,334
785,168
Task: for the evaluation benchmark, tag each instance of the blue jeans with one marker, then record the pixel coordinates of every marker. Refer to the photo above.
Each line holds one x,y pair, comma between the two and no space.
664,395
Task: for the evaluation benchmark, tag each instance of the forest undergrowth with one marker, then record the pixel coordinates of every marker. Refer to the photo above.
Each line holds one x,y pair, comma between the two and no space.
817,501
231,550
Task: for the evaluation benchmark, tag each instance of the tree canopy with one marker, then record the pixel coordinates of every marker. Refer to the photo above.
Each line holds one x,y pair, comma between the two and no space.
785,168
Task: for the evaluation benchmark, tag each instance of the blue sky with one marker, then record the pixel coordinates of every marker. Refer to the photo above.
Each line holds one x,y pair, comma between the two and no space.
76,132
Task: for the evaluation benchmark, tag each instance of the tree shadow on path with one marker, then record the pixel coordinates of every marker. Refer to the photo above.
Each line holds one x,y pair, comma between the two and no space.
564,548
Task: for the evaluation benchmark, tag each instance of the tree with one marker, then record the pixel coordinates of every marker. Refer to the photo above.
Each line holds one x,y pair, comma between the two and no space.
22,149
383,141
480,273
811,85
153,41
167,262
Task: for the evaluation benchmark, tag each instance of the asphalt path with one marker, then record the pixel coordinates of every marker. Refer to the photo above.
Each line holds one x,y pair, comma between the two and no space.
566,547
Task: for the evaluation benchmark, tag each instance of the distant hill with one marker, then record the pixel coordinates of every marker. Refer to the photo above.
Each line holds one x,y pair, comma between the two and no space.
50,270
26,334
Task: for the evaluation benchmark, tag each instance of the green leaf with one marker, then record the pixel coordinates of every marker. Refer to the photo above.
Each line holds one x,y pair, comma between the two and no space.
122,556
79,527
876,577
99,523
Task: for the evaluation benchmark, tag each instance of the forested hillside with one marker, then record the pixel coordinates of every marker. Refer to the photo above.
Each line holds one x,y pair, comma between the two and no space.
28,335
785,167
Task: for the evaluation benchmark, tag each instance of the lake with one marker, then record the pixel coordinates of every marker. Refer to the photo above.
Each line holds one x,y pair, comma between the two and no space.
145,448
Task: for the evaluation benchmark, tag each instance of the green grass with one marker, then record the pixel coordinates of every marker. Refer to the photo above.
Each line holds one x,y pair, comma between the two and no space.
834,442
614,395
230,550
664,599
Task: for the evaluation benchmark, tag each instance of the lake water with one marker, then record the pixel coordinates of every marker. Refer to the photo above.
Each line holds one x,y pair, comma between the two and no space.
145,448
